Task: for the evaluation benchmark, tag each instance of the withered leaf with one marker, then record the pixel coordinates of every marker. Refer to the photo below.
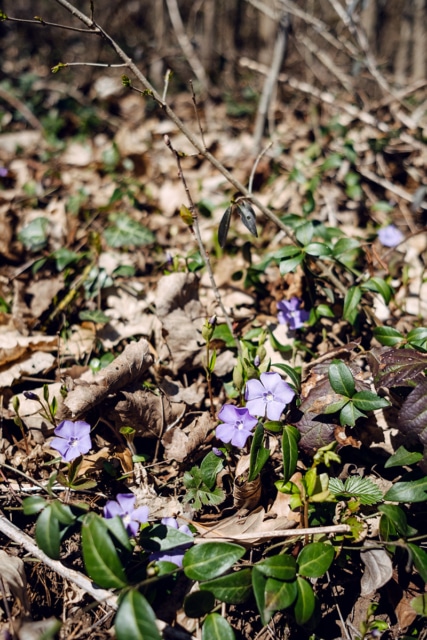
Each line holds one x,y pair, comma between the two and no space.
397,367
378,570
413,414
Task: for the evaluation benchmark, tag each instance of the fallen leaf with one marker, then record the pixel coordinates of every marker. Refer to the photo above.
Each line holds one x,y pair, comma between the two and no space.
378,570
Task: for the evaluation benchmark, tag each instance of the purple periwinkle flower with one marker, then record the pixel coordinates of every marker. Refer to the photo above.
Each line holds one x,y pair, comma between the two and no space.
217,452
3,172
237,425
124,507
73,439
176,555
268,396
291,314
390,236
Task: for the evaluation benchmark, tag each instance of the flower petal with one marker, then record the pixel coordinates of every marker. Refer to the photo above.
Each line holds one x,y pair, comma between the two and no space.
256,407
224,432
60,445
126,501
112,509
275,410
239,438
140,514
254,389
229,413
66,429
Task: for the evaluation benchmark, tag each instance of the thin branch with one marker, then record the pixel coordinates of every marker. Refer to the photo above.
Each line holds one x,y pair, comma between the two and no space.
278,533
42,23
196,232
177,121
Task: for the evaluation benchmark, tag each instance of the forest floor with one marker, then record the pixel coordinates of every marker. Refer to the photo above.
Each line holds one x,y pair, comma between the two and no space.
95,257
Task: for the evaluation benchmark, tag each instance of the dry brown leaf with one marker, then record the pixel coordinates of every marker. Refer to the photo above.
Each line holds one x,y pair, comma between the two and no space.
145,412
127,368
378,570
13,574
43,292
179,445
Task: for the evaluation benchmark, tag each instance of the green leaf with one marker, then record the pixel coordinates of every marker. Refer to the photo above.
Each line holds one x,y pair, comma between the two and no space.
290,438
341,379
127,232
117,528
259,581
99,554
34,234
419,557
333,161
62,513
96,315
304,233
279,595
315,559
234,588
419,605
135,619
215,627
286,266
420,333
280,567
47,533
379,286
397,517
198,603
351,301
210,466
349,414
64,257
335,406
415,491
259,454
33,505
290,371
305,602
161,537
211,559
319,249
369,401
388,336
363,489
403,458
344,245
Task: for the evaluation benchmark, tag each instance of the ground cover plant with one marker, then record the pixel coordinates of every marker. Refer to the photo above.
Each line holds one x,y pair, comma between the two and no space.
213,362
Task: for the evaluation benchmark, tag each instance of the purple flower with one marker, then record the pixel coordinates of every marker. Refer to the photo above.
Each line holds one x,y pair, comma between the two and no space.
173,555
217,452
237,427
124,507
390,236
73,439
291,314
268,396
3,172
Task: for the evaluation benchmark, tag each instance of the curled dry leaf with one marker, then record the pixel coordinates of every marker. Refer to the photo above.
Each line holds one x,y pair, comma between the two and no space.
127,368
13,574
246,495
180,443
378,570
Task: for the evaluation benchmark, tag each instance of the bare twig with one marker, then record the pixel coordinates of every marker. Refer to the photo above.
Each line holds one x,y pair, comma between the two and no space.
278,533
171,114
196,232
22,108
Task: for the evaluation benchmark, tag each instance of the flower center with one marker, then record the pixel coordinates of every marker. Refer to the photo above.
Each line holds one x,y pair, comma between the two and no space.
126,519
73,442
239,425
268,397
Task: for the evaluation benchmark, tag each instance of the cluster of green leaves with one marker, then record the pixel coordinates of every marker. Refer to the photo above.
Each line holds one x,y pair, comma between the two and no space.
200,482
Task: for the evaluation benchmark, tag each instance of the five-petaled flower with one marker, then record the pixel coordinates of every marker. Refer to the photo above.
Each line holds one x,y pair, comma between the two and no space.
291,314
124,507
237,425
268,396
175,555
73,439
390,236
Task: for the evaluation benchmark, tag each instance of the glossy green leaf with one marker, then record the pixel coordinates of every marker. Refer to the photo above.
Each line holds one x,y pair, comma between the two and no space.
318,249
315,559
415,491
349,414
420,333
215,627
259,580
62,513
341,379
135,619
33,505
290,371
234,588
290,439
211,559
363,489
117,528
379,286
99,554
259,454
281,567
47,533
279,595
305,602
351,301
397,517
420,560
344,245
419,605
34,235
369,401
210,466
403,458
198,603
286,266
388,336
304,233
126,232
